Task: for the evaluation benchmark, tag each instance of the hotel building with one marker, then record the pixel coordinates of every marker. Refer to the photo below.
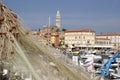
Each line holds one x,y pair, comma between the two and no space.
114,38
86,38
80,38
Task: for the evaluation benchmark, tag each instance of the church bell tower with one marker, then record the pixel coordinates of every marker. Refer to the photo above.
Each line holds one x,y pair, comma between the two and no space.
58,19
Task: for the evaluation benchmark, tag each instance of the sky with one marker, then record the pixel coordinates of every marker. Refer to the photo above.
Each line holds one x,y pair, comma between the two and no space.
100,15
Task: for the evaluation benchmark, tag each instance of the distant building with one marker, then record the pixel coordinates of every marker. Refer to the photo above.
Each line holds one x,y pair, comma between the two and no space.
49,29
80,38
113,36
86,38
55,39
51,34
103,43
58,21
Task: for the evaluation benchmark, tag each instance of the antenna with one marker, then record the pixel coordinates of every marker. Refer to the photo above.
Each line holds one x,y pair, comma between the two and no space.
48,36
49,20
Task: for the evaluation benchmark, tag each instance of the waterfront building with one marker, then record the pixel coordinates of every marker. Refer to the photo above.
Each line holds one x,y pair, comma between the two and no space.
55,39
49,29
86,38
80,38
103,43
113,36
51,34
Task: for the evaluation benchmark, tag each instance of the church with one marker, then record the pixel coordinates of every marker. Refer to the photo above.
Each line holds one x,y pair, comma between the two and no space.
51,32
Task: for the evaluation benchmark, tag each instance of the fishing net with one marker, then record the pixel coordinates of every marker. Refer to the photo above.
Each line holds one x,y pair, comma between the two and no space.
24,58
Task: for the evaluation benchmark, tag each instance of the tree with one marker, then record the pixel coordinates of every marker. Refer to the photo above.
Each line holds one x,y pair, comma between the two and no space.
64,29
57,30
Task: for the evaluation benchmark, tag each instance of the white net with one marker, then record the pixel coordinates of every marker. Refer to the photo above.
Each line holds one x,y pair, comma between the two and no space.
27,59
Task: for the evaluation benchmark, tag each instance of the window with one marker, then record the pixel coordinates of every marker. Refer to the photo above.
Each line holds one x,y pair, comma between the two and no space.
75,37
83,37
88,41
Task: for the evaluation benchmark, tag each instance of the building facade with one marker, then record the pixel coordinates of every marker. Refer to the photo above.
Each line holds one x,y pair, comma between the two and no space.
113,36
80,38
50,34
86,38
103,43
55,39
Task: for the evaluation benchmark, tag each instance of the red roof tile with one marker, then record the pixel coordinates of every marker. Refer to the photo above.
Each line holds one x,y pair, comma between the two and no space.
109,34
80,30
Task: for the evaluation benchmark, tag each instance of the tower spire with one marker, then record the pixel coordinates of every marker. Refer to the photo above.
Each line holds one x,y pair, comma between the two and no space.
58,19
